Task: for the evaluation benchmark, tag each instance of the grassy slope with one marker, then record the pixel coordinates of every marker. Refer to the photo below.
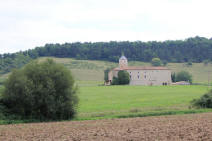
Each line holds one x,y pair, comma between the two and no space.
200,72
86,72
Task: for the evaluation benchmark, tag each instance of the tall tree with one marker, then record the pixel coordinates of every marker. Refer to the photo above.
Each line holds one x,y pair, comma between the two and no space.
43,91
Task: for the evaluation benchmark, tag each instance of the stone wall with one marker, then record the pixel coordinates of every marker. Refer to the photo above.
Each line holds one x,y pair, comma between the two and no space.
146,77
150,77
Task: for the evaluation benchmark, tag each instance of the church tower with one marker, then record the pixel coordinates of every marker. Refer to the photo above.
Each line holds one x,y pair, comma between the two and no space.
123,62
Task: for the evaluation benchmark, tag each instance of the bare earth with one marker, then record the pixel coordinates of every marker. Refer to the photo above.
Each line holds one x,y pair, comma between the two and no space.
170,128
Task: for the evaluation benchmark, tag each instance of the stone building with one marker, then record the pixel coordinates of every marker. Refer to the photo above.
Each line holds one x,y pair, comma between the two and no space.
142,75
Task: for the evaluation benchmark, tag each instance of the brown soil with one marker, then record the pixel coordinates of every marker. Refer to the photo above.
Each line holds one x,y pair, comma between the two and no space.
170,128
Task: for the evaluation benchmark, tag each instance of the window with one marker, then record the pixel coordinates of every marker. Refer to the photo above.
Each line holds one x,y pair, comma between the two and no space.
165,83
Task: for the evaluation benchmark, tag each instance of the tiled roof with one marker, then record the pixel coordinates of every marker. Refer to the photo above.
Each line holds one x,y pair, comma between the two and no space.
141,68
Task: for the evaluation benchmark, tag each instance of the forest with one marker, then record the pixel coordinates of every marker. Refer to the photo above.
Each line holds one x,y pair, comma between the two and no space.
195,49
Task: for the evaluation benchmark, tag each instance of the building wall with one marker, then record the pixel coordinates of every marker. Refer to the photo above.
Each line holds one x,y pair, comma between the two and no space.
123,63
110,75
148,77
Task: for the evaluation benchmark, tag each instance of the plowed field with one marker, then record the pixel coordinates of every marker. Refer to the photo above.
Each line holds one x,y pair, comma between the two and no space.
170,128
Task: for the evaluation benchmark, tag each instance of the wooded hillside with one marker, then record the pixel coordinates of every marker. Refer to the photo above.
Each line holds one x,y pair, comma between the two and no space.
195,49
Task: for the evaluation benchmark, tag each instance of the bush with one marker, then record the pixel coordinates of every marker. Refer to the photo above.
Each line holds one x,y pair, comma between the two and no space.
115,81
106,74
203,102
44,91
123,77
173,77
156,62
189,64
184,76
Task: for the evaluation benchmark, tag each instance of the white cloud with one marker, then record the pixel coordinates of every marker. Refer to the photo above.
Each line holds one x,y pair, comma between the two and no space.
27,23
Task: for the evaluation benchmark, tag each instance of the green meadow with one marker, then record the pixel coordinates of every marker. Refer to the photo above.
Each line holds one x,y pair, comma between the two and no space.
115,101
104,102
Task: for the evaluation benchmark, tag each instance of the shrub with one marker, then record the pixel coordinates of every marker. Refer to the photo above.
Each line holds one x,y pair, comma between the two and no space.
106,74
189,64
156,62
123,77
115,81
184,76
173,77
203,102
44,91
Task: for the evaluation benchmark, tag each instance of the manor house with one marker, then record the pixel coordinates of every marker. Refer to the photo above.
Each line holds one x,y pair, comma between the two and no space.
142,75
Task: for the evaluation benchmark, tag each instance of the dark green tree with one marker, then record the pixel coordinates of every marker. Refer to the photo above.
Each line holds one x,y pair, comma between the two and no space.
106,74
184,76
189,64
195,49
123,77
173,77
44,91
156,62
115,81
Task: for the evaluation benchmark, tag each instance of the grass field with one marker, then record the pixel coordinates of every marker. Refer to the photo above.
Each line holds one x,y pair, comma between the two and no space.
103,102
113,101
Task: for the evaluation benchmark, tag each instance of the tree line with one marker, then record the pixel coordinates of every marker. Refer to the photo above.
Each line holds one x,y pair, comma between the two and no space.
196,49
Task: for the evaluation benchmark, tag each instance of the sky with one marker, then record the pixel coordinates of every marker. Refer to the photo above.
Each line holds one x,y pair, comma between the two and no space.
26,24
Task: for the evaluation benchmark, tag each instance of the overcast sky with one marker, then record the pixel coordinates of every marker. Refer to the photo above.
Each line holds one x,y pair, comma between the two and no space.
26,24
